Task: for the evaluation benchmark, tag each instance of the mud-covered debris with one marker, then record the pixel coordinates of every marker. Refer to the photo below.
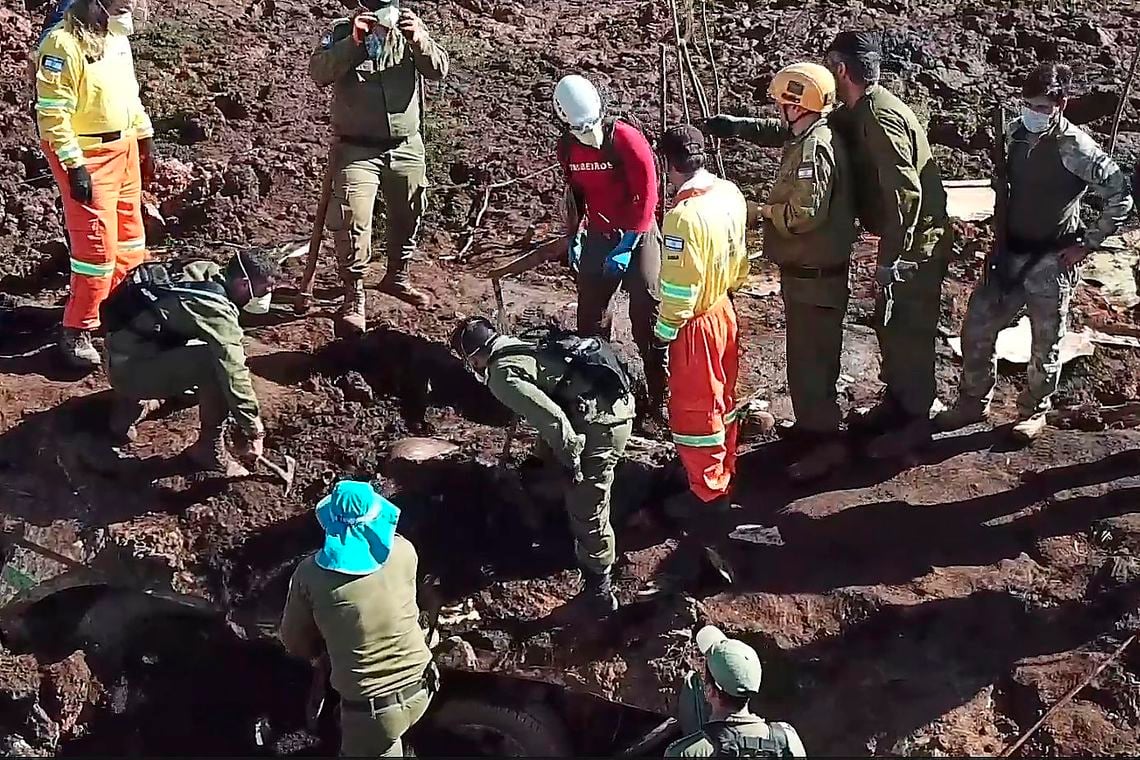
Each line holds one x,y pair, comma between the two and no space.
416,450
456,653
355,388
758,534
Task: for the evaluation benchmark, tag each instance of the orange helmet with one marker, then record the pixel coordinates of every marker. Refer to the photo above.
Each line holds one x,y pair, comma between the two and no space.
807,85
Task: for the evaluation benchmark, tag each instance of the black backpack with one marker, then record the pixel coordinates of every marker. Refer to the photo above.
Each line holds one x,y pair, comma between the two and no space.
590,359
730,741
140,292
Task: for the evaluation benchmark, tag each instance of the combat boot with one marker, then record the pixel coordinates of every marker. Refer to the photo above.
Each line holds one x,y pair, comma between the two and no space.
912,435
885,414
125,414
352,320
1028,429
597,594
209,454
820,461
77,350
966,411
397,285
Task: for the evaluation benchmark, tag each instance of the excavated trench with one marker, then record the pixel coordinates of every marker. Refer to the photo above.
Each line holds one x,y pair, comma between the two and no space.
176,678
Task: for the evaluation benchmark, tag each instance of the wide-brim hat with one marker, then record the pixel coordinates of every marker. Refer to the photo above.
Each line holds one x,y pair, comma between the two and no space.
359,526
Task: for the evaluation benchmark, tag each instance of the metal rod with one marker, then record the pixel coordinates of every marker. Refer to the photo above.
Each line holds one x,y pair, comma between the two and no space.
1123,100
1068,696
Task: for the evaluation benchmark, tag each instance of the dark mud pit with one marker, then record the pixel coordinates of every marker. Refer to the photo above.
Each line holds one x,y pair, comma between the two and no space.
933,606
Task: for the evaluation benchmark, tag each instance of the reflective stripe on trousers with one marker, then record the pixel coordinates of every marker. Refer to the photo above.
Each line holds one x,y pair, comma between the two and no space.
106,235
703,367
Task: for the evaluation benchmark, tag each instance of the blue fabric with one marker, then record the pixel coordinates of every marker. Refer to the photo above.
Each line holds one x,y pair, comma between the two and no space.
617,262
359,525
54,18
577,245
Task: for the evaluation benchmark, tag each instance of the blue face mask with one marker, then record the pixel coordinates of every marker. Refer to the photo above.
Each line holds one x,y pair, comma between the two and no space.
1034,121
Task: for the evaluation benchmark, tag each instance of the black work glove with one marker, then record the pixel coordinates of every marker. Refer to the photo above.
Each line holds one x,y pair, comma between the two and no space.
80,180
723,125
147,157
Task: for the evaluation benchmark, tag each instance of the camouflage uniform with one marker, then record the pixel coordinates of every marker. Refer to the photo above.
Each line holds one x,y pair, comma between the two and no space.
900,197
376,119
590,438
810,236
1048,176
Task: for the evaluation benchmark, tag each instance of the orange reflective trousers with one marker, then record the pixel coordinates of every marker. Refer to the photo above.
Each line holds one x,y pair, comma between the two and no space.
704,362
107,235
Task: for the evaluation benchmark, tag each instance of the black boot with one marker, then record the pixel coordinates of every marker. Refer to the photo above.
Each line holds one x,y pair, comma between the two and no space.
597,594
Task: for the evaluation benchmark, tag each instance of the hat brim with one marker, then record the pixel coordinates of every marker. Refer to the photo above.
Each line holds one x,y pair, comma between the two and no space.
360,548
708,637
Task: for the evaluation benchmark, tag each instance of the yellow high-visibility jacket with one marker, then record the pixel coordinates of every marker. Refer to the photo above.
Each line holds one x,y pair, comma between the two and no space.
704,256
76,96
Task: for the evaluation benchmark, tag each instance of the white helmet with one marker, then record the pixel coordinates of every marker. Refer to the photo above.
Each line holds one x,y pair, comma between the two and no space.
576,101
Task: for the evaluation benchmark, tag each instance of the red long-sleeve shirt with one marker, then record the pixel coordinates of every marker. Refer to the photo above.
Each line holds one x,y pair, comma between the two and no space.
622,197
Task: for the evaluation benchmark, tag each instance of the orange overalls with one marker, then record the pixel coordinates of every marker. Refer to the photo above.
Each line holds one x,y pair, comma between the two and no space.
89,114
704,259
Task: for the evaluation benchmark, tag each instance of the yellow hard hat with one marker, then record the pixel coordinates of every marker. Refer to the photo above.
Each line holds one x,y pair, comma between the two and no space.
807,85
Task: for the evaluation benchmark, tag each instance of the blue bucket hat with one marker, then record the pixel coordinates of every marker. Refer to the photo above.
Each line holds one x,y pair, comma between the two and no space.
359,524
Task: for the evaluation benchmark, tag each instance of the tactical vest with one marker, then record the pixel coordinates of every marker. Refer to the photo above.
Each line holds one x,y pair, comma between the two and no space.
1044,196
729,741
588,362
140,292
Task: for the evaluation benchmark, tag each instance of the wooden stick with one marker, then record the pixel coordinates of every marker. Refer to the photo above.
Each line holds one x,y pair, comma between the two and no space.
473,226
651,740
1068,696
712,56
680,61
703,102
1123,100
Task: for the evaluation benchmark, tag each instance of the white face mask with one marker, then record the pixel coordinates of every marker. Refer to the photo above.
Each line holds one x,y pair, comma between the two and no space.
1036,122
258,305
123,24
591,136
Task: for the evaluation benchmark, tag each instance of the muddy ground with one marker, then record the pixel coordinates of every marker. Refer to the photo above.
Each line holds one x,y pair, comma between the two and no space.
934,606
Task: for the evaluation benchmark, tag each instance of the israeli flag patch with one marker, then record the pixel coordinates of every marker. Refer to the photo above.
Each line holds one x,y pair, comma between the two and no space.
52,63
806,172
674,243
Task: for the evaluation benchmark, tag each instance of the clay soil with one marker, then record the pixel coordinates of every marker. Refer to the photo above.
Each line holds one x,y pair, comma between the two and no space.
934,606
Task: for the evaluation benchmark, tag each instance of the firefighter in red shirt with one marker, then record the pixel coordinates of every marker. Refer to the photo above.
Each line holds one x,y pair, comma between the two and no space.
614,239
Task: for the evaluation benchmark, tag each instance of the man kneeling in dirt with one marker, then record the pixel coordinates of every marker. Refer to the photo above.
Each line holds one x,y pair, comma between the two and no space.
576,393
174,328
713,709
354,603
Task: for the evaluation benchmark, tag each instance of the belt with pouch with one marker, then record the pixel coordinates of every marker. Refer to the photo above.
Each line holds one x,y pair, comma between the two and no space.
812,273
429,682
104,137
380,143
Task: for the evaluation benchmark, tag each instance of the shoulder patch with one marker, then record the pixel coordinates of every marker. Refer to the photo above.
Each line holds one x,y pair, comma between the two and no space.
807,171
52,63
674,243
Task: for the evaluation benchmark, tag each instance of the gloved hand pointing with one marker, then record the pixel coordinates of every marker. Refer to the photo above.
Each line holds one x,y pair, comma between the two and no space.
723,125
617,261
80,180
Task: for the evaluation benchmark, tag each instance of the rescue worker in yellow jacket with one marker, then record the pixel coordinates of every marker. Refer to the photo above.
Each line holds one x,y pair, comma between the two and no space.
704,259
99,142
809,228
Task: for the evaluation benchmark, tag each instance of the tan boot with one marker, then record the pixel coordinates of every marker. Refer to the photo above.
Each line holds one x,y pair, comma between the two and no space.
210,455
77,350
126,413
1028,429
398,286
966,411
352,320
820,461
912,435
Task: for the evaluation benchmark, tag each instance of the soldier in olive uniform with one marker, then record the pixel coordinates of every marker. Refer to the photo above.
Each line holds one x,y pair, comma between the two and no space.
899,197
172,329
1051,165
809,227
585,426
374,61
